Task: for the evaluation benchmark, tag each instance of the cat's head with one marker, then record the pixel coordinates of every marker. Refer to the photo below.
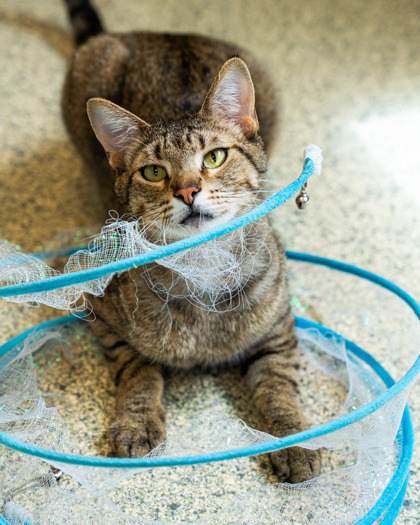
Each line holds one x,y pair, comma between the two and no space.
188,175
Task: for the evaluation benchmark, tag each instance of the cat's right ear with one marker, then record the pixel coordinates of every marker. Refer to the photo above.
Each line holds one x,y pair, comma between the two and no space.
231,97
117,130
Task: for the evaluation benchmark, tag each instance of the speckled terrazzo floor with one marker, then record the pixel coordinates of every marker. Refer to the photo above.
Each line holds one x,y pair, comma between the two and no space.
349,78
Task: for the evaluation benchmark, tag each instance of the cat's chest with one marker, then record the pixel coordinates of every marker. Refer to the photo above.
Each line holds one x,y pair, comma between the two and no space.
178,334
185,337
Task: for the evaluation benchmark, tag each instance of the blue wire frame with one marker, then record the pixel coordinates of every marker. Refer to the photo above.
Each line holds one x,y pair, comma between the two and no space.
390,502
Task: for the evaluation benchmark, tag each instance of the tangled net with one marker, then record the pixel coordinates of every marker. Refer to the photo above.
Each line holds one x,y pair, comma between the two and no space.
215,272
361,459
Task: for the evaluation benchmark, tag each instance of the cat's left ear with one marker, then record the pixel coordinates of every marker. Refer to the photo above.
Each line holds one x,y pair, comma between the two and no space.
117,130
231,97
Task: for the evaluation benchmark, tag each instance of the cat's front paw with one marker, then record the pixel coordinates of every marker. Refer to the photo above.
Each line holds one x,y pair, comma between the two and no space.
133,437
296,464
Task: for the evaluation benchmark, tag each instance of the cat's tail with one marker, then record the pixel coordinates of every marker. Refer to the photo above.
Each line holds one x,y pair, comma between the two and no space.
84,19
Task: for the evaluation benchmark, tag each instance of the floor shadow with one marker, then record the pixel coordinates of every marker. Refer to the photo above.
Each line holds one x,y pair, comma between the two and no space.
45,192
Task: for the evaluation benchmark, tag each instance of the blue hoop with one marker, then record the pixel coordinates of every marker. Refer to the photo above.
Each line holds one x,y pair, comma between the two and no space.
391,500
392,497
276,444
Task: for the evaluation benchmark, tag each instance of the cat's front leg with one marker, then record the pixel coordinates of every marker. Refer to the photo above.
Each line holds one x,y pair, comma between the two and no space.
139,423
271,373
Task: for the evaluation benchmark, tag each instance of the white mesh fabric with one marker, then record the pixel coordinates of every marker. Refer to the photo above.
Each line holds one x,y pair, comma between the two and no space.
367,457
213,271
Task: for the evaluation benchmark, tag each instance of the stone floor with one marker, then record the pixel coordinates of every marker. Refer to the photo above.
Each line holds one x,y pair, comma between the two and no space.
348,75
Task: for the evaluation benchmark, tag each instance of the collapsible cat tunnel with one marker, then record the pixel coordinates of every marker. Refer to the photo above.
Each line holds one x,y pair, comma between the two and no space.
367,444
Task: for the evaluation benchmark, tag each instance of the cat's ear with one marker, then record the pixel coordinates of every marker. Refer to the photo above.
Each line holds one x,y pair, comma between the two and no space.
231,97
116,129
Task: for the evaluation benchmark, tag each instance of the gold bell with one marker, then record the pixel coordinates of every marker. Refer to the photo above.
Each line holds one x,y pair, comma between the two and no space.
303,198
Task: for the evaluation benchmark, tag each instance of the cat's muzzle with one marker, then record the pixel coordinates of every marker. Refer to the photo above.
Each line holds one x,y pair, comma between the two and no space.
195,218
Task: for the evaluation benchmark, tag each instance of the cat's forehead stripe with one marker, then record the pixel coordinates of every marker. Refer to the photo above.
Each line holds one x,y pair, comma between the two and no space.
179,141
164,136
157,151
202,141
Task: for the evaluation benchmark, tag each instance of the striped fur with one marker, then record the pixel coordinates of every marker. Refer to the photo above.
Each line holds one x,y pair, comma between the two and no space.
173,115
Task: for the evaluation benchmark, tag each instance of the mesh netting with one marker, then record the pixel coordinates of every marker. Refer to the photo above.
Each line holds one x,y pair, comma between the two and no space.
215,272
45,381
55,393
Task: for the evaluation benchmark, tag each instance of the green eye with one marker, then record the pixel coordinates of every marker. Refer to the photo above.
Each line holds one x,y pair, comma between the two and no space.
214,159
153,173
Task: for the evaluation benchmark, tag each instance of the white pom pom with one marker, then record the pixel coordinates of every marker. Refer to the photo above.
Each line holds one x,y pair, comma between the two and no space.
314,153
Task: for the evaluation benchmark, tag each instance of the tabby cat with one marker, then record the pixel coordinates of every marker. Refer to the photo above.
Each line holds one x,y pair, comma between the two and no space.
177,118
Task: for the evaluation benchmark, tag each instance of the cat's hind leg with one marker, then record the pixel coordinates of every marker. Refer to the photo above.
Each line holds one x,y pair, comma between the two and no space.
139,423
271,373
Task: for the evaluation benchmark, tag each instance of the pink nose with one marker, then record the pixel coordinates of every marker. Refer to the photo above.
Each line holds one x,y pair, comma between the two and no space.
187,194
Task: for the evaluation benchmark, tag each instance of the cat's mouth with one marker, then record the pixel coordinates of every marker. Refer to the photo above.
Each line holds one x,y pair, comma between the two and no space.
196,219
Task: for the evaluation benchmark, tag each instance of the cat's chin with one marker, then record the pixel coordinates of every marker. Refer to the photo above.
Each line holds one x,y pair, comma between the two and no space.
196,220
193,226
